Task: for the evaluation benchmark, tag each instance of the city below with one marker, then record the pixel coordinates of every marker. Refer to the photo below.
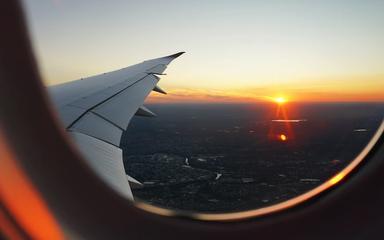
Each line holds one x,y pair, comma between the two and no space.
231,157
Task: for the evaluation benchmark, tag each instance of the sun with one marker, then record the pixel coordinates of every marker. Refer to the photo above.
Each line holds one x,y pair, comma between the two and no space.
283,137
280,100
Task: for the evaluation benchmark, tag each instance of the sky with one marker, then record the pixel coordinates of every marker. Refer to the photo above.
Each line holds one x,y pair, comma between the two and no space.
236,51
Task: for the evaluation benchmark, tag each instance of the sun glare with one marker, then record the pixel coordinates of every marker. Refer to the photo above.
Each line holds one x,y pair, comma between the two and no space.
283,137
280,100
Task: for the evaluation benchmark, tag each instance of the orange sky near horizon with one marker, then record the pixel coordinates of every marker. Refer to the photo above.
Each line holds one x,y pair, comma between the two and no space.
353,90
202,96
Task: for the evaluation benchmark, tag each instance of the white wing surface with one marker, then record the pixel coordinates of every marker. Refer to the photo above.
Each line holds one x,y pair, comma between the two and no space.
96,110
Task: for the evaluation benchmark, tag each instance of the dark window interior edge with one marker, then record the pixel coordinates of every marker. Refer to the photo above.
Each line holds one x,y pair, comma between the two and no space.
353,210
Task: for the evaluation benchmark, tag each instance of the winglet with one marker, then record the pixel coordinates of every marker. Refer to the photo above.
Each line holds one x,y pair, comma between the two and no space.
175,55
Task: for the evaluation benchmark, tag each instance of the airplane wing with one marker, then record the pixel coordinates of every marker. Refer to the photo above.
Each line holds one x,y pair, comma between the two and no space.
96,110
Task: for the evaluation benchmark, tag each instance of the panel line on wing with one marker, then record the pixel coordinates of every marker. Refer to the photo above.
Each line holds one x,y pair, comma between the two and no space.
106,119
105,100
94,126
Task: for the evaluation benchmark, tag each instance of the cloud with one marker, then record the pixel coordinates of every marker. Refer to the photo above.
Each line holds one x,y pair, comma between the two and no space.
203,95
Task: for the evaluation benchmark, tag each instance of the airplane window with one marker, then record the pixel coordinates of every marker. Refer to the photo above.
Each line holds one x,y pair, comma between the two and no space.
271,101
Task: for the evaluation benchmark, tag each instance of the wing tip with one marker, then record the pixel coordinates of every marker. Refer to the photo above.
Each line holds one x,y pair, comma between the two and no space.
175,55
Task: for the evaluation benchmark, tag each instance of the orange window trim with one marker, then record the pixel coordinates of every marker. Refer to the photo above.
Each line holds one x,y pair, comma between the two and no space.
23,201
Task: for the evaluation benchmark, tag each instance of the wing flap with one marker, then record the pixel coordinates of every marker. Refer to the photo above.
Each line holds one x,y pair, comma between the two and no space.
95,126
107,119
123,106
106,160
